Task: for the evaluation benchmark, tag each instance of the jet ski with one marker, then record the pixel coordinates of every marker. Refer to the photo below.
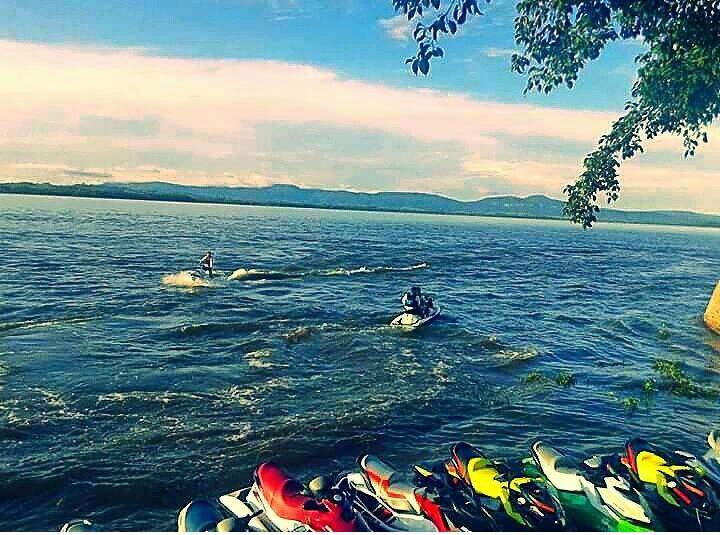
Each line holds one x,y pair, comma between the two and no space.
676,488
210,515
275,502
709,463
714,443
410,320
512,500
593,493
201,273
80,524
390,501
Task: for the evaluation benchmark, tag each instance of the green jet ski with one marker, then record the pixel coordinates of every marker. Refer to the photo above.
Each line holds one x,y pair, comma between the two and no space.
595,496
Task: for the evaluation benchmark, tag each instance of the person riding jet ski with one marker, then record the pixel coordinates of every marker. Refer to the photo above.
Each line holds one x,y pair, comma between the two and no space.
207,262
418,310
428,304
413,303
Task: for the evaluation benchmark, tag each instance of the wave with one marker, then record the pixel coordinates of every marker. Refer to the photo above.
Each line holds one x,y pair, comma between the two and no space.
142,401
259,358
265,274
304,332
367,270
33,414
298,334
35,324
248,395
507,357
185,279
202,329
164,397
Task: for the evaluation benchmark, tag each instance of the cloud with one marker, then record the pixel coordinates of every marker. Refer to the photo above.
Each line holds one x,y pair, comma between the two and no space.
63,170
88,174
645,185
523,176
61,95
397,27
62,173
287,10
110,126
493,52
124,112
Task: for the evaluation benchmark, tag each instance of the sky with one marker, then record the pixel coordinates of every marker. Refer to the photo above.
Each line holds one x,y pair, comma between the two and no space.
308,92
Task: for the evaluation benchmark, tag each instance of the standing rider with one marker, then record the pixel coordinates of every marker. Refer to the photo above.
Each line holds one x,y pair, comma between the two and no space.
412,302
207,263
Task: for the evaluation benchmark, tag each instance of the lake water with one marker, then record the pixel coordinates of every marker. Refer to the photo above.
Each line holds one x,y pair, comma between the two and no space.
123,397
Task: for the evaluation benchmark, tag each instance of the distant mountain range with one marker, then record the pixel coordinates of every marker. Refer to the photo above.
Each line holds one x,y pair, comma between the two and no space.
535,206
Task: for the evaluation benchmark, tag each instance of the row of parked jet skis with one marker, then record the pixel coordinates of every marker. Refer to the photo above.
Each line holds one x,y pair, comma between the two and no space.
643,487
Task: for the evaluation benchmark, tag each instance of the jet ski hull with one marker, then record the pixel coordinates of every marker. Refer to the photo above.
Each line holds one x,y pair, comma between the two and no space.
379,515
276,502
205,515
413,321
601,502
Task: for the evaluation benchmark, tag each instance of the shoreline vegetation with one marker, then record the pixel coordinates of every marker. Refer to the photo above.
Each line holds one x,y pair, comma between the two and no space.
290,196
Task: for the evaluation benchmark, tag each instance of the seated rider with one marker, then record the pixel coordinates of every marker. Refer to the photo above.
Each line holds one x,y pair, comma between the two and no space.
207,262
428,304
412,301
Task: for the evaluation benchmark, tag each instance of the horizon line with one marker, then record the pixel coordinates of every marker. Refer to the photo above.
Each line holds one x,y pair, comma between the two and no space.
353,192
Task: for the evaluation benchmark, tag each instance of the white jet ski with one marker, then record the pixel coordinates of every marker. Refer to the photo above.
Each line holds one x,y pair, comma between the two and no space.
410,321
227,513
201,273
710,462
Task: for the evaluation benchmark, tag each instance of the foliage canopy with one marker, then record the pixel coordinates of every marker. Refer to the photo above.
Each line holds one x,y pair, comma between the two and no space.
676,91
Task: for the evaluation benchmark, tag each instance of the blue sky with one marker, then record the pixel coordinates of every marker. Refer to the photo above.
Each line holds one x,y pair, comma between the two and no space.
344,35
312,92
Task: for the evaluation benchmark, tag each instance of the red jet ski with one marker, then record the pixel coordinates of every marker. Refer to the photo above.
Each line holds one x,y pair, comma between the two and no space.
275,502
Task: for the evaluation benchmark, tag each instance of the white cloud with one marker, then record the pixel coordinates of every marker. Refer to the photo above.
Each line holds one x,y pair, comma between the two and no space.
645,185
210,106
493,52
398,27
63,173
199,119
62,170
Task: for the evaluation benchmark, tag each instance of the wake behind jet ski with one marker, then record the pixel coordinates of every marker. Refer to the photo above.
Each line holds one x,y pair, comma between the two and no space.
275,502
418,310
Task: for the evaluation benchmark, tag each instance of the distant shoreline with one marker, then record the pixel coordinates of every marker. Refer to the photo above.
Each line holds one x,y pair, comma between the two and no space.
151,198
537,207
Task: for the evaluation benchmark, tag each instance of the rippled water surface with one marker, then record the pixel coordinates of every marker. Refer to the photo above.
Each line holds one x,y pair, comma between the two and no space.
122,396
